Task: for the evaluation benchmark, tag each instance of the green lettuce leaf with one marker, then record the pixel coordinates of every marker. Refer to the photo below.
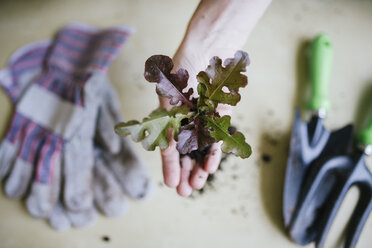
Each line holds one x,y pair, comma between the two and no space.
234,143
152,132
220,84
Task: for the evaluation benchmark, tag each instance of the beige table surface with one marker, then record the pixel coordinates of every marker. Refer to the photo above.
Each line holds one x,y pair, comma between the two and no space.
242,206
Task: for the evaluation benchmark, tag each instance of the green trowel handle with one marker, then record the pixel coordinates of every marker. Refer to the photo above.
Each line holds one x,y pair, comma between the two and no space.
320,70
365,137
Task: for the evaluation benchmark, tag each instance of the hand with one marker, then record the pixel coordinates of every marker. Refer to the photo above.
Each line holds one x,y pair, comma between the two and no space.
183,172
217,28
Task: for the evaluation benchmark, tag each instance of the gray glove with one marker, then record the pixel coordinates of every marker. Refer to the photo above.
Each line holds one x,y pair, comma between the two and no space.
116,175
63,141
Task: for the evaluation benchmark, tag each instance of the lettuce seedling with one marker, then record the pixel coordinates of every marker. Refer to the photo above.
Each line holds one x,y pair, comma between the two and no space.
195,122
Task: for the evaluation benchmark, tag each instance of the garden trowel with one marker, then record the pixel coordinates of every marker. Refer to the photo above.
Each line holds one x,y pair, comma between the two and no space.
311,140
326,184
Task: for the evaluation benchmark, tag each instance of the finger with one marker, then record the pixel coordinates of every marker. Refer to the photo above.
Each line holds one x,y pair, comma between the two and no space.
213,159
8,153
107,192
78,175
170,156
21,174
44,196
83,218
58,218
198,177
11,144
184,188
171,164
39,203
105,131
19,179
130,172
45,189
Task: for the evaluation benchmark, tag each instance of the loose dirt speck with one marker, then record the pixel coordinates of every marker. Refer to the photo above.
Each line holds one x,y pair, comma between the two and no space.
105,238
266,158
271,140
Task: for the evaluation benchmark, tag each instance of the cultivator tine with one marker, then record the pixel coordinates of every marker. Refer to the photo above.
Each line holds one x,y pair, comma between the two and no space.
358,220
362,210
324,191
318,187
300,223
329,215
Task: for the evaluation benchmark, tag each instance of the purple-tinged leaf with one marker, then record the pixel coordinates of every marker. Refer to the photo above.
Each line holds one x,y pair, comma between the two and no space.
170,85
194,136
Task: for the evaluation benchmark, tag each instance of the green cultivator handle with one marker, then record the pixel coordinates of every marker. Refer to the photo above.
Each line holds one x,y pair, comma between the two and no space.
320,70
365,137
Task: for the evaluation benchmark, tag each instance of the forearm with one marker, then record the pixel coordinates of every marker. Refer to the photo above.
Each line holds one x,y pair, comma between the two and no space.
220,27
217,28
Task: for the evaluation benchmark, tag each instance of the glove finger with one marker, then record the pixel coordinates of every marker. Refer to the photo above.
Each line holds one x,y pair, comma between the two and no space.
46,188
10,146
107,192
19,179
105,131
8,153
78,175
58,219
83,218
130,172
61,219
21,174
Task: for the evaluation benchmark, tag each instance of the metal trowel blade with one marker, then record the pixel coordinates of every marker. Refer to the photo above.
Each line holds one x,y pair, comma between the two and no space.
307,142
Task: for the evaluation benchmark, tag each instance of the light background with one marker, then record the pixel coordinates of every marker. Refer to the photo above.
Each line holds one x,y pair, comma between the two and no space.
242,207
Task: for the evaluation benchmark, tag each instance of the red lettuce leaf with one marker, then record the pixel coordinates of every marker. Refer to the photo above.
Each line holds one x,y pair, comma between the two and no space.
170,85
194,136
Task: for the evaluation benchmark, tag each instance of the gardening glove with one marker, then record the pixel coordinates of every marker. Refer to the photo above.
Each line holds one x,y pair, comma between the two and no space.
126,165
108,206
49,115
116,176
110,189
